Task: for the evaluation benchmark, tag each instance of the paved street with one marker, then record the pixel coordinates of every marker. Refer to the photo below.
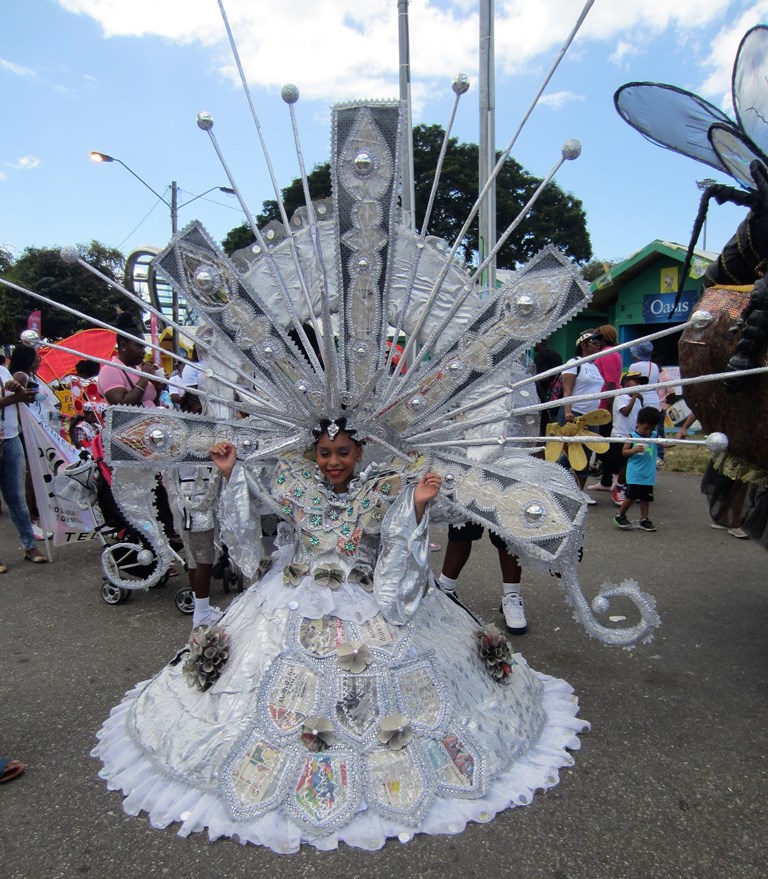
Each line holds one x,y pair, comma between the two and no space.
669,784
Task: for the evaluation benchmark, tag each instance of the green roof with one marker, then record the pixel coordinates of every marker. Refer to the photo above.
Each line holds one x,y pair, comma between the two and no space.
605,287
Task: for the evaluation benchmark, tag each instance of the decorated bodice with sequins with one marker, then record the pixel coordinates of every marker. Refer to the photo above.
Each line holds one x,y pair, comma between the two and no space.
331,528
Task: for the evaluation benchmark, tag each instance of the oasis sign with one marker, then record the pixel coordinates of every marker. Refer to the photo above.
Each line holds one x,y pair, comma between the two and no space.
658,306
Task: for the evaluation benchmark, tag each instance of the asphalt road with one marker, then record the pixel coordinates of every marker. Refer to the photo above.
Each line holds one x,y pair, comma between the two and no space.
670,782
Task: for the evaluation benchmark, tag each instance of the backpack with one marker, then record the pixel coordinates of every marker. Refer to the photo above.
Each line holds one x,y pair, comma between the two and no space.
555,390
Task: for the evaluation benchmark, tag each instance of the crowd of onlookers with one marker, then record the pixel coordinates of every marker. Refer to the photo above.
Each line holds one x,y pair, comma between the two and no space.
91,389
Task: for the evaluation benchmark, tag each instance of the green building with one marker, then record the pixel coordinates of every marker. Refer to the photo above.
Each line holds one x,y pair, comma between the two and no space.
637,296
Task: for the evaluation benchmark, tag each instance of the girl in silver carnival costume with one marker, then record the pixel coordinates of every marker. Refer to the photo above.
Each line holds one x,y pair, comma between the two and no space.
343,696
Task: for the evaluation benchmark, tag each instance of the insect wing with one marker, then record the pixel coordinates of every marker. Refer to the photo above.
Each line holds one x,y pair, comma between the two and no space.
735,151
750,96
672,118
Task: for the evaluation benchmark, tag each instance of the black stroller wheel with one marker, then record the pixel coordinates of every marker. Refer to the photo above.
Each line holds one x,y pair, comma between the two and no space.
185,600
113,594
163,581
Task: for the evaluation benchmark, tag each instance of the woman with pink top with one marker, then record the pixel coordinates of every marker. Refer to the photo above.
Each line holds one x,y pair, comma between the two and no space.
610,367
128,389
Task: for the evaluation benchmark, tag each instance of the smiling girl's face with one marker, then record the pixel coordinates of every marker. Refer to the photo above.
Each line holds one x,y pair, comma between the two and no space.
337,459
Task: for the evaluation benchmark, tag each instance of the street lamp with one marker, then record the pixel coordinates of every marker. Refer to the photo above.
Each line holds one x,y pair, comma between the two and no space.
173,205
702,185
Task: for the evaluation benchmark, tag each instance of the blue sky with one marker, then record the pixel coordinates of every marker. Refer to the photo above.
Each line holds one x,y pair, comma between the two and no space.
128,79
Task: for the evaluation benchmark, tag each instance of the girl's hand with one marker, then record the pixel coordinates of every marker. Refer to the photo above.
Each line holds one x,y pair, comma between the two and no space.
224,456
426,490
428,487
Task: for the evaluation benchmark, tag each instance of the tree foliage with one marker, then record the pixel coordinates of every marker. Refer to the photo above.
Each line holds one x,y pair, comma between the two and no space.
319,179
42,270
556,218
597,267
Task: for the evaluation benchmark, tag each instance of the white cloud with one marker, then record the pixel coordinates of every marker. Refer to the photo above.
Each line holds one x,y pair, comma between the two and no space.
624,49
719,62
25,163
559,99
15,69
344,48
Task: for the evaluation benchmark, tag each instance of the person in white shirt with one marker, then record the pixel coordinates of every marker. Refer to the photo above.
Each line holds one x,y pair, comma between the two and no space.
643,365
584,379
625,409
13,464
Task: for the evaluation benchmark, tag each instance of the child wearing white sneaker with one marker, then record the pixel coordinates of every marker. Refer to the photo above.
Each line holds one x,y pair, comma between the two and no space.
641,469
625,409
457,554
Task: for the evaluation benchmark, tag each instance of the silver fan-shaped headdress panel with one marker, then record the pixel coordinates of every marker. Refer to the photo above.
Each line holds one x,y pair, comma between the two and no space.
304,318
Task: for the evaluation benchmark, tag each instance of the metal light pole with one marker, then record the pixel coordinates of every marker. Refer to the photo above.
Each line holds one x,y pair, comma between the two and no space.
702,185
487,147
408,197
174,207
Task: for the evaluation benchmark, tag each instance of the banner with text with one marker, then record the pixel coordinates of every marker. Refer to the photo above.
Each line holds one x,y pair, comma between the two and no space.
47,453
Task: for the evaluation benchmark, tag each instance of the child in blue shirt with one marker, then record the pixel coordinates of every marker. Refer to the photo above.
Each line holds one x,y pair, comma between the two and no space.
641,469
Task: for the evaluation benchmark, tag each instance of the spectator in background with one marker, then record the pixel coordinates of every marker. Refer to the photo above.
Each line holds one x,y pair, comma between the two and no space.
610,367
642,364
128,389
87,369
12,464
582,380
23,365
641,470
544,359
663,393
46,408
625,410
194,376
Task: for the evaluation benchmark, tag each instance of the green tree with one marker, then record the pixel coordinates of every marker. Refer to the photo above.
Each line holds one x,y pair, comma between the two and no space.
6,260
42,270
319,179
597,267
557,217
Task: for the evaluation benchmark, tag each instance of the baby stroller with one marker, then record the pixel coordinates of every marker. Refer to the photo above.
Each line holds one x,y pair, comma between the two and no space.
128,561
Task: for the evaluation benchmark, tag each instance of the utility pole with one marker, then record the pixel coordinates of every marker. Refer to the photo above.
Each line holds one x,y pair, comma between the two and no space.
174,293
487,149
408,195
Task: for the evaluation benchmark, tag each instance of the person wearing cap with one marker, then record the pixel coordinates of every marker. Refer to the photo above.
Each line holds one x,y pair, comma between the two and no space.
642,364
625,409
582,380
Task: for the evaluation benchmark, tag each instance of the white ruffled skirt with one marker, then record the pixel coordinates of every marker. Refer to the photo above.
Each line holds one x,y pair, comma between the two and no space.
238,758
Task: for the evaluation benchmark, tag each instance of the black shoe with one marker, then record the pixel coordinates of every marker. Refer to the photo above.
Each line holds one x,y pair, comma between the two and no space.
622,522
646,525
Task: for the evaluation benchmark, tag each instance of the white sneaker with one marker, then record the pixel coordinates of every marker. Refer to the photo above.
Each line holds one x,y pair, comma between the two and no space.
514,613
39,533
445,589
589,501
208,617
